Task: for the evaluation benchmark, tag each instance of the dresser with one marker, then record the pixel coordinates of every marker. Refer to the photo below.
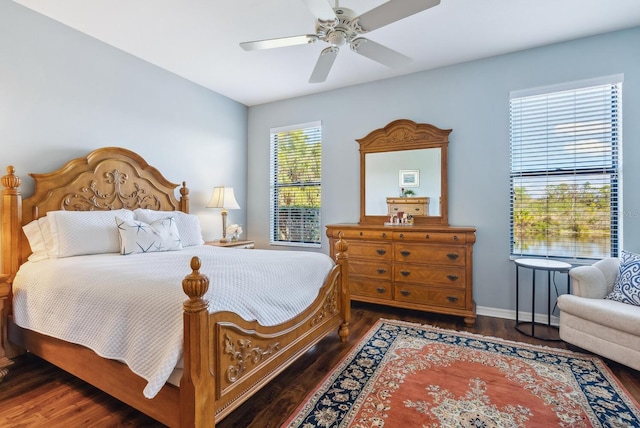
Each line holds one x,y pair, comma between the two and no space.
410,206
426,268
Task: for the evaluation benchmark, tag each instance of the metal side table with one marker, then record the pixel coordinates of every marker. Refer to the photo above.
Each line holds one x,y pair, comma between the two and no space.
535,265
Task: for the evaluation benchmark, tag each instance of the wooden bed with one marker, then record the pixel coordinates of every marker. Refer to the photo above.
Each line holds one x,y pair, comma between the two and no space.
226,359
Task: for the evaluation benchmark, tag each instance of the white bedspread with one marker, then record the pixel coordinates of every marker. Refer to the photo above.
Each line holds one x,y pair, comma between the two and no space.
129,308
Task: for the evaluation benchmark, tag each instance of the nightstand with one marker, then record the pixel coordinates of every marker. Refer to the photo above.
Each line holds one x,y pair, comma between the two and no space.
4,295
233,244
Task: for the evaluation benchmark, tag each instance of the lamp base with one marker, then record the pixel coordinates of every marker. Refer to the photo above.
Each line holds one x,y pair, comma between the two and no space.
224,226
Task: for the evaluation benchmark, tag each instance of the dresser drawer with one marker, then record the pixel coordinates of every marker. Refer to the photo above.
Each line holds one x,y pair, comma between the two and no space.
429,275
409,209
371,250
449,255
381,270
427,237
362,234
415,206
363,287
451,298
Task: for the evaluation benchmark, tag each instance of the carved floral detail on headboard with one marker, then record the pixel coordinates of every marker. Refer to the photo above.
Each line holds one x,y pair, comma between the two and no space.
92,197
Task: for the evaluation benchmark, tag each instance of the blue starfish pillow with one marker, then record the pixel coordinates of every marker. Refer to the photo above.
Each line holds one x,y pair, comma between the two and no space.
139,237
626,289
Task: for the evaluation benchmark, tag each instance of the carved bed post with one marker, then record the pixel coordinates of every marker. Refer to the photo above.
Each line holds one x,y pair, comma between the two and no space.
11,223
184,198
342,259
197,396
11,254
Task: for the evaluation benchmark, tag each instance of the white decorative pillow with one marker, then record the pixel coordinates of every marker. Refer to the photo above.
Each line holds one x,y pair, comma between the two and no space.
187,224
626,289
75,233
38,234
139,237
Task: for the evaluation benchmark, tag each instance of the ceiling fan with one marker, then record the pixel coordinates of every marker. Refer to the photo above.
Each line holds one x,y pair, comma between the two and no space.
339,26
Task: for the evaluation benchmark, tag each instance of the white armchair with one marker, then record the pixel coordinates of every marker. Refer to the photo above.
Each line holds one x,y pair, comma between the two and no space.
588,320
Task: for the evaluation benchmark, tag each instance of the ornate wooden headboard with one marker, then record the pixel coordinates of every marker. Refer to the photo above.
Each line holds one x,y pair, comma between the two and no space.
106,179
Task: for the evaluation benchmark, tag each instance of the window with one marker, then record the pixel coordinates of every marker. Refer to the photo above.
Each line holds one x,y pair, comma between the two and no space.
295,185
565,163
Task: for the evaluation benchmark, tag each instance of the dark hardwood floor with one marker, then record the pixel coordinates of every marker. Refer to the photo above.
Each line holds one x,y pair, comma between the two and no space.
35,394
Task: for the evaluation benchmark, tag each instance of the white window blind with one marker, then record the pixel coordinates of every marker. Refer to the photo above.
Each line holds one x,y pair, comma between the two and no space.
296,185
565,171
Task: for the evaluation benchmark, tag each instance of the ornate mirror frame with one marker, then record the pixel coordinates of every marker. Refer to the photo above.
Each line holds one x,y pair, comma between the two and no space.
404,134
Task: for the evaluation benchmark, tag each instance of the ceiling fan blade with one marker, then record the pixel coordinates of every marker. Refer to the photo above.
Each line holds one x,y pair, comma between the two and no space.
379,53
321,9
392,11
280,42
324,64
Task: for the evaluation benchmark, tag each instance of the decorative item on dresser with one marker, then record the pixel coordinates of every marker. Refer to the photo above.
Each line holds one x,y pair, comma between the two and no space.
232,244
425,266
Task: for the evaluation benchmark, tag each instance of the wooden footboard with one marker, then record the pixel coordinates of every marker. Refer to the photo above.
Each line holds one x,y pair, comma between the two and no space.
243,356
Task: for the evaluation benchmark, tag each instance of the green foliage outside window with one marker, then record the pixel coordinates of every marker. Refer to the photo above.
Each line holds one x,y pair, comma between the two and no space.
565,210
297,187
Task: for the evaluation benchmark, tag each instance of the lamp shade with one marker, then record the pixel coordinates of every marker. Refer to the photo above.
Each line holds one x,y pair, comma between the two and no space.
223,197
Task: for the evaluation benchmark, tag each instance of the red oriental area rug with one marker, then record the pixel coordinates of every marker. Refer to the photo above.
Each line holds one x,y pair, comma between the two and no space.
408,375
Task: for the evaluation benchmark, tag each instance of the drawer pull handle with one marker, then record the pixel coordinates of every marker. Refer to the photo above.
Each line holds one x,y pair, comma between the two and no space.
381,271
395,209
381,252
452,299
405,253
452,277
360,233
405,293
453,256
381,290
405,273
455,237
417,209
426,236
402,236
384,235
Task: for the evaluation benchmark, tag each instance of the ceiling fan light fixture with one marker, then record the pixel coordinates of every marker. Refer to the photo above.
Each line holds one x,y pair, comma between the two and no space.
337,37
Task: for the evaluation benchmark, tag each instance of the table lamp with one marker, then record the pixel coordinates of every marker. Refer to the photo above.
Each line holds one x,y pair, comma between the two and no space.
223,198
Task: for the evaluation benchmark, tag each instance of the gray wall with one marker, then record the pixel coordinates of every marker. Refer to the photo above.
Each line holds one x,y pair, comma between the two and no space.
63,94
473,100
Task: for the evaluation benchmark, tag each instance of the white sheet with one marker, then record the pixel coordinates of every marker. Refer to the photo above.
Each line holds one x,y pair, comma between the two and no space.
129,308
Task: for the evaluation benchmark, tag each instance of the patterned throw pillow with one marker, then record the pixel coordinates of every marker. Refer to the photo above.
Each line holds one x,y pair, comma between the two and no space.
139,237
627,286
188,224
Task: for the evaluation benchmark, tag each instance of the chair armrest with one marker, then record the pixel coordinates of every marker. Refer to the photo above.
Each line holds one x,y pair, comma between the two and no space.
595,281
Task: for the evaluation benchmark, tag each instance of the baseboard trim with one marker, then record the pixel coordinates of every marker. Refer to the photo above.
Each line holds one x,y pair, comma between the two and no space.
510,314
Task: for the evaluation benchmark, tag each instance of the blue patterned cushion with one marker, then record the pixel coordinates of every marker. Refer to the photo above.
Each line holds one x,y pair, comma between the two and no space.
627,286
139,237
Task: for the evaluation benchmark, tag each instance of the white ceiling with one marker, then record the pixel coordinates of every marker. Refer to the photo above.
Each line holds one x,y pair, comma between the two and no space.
198,39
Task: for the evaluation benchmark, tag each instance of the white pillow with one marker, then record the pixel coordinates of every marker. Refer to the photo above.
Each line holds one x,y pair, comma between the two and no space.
139,237
38,234
76,233
188,224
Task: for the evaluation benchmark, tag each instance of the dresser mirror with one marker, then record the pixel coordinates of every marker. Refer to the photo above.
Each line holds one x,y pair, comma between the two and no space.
404,147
